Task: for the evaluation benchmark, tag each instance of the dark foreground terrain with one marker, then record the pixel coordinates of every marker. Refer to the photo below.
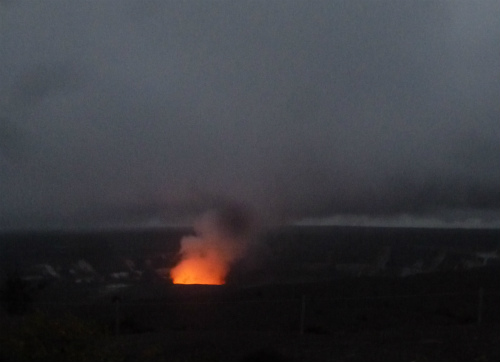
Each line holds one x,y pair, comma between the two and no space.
404,298
432,317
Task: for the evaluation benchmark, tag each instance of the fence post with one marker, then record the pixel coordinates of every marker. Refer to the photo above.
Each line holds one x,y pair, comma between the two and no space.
116,301
302,314
480,306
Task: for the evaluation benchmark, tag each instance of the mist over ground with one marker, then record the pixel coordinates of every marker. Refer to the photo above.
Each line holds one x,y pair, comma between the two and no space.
137,113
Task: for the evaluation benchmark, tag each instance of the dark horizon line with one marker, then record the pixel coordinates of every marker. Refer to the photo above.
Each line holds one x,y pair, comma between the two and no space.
189,228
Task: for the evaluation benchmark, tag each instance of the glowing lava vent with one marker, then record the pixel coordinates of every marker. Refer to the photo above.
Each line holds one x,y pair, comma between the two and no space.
220,239
203,266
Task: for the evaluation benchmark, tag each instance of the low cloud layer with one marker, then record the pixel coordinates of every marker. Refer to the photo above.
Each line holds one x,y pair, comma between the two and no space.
149,112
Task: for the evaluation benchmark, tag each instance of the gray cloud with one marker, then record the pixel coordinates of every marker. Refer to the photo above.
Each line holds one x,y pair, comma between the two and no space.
38,83
142,110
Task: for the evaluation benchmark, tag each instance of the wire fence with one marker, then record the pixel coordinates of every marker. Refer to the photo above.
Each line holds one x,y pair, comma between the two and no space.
302,314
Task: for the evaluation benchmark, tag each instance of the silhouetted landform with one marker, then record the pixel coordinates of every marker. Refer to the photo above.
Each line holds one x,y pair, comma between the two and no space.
286,255
302,294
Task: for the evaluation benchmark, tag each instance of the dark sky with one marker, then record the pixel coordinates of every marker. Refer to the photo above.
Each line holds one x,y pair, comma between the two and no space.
149,112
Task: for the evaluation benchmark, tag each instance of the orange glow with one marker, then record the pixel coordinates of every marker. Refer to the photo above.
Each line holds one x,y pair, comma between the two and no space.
200,270
206,258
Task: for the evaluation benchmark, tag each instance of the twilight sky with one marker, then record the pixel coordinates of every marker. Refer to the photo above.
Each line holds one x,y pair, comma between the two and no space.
150,112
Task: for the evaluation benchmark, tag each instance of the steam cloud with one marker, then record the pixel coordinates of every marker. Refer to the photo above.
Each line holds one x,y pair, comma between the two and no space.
221,238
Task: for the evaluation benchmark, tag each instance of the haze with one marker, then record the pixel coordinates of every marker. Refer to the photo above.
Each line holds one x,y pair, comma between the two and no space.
141,113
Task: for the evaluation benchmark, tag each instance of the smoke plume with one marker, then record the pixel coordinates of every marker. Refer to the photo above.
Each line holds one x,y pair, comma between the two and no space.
221,238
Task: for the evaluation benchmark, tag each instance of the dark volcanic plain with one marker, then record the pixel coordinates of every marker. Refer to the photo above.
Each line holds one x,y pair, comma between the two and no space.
302,294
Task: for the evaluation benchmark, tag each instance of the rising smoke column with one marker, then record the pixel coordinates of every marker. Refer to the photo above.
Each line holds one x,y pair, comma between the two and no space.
221,238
